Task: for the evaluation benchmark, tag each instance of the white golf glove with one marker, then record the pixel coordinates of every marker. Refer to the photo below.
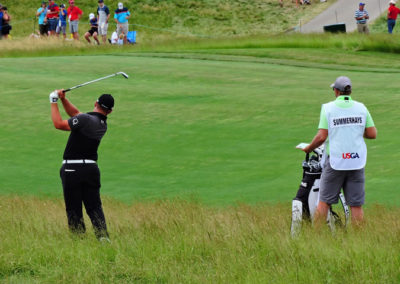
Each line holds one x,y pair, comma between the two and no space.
53,97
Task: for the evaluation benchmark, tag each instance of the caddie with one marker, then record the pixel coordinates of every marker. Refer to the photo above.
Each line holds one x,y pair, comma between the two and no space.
344,123
79,173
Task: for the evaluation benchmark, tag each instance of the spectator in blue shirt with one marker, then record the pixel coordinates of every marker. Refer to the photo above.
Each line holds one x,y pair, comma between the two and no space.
361,16
41,14
62,22
121,17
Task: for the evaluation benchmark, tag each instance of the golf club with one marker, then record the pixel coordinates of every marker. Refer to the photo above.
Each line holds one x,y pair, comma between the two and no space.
87,83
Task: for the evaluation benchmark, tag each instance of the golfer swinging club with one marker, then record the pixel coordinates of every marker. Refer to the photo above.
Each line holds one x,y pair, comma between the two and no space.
346,123
79,173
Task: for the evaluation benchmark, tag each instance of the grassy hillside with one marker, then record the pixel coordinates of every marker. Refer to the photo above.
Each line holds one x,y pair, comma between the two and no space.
197,17
185,242
380,25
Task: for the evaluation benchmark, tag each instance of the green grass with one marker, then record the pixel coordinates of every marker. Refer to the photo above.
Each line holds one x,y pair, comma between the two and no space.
198,165
218,126
208,18
380,25
185,242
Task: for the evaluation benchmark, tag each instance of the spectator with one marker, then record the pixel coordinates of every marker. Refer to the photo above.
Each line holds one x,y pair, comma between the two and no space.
103,14
74,15
393,11
52,17
1,18
121,17
120,40
41,14
114,38
362,16
5,27
62,22
93,29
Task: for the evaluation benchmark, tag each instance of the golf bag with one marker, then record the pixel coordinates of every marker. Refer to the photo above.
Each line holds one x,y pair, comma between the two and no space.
305,203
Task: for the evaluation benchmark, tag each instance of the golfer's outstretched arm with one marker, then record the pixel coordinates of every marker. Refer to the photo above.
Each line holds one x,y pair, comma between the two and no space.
320,138
70,109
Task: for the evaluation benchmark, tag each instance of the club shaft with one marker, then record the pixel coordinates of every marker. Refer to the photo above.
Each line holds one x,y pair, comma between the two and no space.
87,83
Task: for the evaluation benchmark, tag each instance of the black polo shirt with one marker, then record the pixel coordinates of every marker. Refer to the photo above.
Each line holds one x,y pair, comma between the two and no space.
87,129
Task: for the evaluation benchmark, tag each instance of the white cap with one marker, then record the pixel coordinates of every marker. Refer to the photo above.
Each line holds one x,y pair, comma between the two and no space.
120,5
91,16
392,2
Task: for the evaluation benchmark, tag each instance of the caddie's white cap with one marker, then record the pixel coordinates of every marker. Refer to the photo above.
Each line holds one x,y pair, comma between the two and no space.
341,83
392,2
91,16
120,5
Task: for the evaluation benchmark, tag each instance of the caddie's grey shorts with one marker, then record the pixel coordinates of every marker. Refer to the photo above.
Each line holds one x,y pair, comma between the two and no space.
352,182
73,26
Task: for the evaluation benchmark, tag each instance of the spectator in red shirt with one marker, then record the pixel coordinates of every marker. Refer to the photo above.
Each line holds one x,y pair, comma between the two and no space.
52,17
74,15
393,11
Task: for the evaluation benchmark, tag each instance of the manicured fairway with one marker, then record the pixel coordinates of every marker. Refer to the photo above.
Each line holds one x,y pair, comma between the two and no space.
189,126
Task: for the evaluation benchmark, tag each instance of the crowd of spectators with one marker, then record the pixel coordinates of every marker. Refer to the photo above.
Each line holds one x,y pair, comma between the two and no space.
300,2
361,16
53,19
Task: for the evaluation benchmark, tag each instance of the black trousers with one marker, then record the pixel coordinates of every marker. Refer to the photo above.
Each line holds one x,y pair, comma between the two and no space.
81,184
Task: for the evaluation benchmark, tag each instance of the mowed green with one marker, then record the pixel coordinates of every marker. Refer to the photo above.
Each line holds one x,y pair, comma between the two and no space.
212,128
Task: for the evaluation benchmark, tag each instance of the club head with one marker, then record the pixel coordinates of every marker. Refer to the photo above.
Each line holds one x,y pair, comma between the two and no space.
123,74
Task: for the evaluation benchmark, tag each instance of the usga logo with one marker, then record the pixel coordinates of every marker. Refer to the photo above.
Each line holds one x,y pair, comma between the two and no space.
350,155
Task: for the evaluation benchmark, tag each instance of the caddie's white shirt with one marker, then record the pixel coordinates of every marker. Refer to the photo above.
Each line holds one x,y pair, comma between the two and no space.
346,127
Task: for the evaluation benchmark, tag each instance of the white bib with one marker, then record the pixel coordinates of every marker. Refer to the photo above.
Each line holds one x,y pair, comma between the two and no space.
346,128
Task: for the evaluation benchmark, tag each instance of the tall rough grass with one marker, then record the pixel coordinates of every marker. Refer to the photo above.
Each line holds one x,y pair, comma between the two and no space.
162,43
186,242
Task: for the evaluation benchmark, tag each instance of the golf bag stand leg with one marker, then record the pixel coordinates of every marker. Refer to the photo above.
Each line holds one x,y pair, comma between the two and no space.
334,219
300,204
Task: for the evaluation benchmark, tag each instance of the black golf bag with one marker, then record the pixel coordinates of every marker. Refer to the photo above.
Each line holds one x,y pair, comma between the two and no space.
305,203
